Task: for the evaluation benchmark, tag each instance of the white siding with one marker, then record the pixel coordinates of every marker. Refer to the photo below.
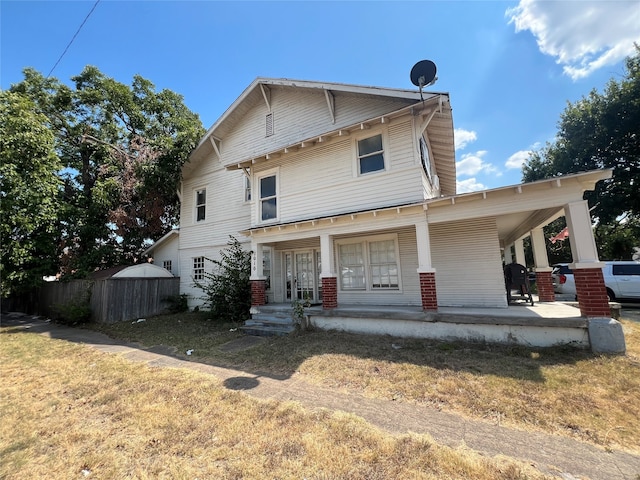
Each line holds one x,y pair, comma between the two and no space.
186,268
168,251
298,114
322,181
226,211
466,256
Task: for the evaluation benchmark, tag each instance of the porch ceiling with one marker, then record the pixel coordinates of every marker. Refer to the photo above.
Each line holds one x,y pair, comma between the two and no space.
514,226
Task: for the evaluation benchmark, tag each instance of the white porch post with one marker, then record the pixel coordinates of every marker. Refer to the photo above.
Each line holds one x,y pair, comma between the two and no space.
257,279
583,245
519,248
544,281
257,272
539,247
425,269
328,274
424,248
507,254
586,266
328,257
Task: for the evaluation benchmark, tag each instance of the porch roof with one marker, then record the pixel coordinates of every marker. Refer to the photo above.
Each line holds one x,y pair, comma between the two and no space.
329,219
518,209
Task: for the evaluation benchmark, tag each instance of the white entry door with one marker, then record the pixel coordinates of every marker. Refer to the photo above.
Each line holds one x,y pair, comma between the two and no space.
301,276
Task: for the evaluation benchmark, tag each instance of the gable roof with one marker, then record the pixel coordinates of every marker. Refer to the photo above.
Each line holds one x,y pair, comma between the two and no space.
259,90
164,239
440,125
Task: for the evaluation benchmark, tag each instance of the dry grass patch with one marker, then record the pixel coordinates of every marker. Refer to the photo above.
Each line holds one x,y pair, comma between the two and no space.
71,412
560,390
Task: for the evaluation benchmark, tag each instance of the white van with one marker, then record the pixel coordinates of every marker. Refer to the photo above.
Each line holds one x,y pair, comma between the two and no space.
622,279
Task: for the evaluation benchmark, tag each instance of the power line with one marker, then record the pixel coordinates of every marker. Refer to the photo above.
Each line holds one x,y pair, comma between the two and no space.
74,37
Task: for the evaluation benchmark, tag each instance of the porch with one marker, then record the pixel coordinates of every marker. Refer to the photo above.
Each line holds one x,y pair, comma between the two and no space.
543,324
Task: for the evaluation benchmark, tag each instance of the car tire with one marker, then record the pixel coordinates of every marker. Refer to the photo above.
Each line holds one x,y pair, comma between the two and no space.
611,295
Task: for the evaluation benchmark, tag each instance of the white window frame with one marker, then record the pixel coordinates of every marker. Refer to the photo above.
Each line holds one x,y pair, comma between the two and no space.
274,172
424,147
198,268
167,265
369,134
365,242
197,205
247,188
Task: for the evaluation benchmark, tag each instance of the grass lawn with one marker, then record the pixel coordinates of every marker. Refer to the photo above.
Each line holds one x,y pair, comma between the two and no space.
69,411
566,391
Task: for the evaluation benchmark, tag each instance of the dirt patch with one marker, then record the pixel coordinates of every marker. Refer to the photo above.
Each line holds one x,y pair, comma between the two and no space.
243,343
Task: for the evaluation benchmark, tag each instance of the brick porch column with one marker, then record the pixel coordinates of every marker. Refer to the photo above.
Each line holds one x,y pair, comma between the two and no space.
592,293
329,293
544,283
258,293
428,291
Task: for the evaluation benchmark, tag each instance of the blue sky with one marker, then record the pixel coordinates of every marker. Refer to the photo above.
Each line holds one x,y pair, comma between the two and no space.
510,67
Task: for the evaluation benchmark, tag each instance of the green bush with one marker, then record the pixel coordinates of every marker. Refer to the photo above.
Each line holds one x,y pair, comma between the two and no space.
177,303
73,312
227,288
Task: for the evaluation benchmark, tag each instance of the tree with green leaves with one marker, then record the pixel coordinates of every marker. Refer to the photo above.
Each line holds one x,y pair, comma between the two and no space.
600,131
29,195
122,149
227,290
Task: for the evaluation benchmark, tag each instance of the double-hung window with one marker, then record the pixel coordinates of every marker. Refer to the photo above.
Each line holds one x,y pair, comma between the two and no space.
370,155
268,198
201,204
369,265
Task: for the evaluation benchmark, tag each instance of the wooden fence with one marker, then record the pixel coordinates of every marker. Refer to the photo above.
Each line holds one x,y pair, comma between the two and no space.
112,299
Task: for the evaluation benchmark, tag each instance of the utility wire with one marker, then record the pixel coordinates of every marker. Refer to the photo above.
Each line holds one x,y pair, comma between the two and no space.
74,37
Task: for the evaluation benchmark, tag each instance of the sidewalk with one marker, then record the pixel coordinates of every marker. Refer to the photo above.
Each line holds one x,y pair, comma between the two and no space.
560,456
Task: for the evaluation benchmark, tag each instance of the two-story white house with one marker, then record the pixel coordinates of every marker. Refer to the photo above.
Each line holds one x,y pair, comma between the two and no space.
346,195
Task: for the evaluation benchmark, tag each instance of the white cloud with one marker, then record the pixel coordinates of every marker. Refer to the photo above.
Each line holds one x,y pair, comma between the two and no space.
469,185
463,137
517,159
472,164
583,36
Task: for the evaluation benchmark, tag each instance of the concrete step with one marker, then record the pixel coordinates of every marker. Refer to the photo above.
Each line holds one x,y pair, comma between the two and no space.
268,330
271,318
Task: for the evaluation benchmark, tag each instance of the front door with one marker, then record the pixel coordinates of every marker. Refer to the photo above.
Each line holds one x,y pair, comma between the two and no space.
301,275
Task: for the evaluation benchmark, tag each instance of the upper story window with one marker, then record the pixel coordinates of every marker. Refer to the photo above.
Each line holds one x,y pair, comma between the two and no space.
370,155
167,264
268,198
247,189
201,204
425,159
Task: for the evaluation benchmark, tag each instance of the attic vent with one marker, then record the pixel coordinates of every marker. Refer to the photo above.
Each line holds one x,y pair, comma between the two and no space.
269,124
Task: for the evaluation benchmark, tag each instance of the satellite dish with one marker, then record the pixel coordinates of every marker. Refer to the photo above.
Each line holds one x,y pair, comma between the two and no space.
423,74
